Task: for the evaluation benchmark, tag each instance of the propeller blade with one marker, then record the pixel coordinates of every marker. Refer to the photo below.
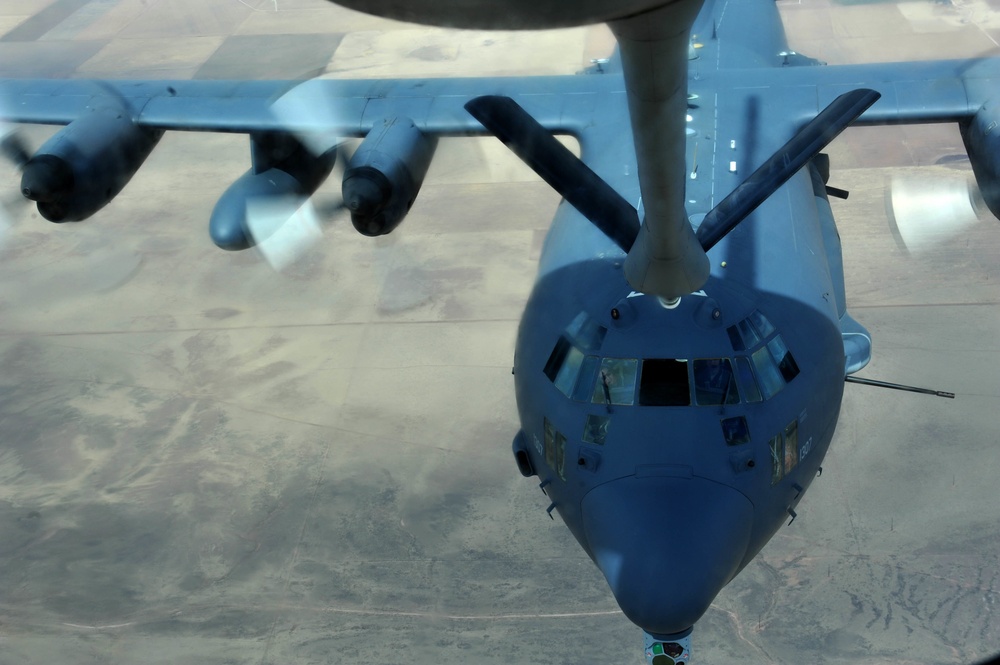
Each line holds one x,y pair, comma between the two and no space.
282,228
5,225
13,146
925,210
783,164
318,119
561,169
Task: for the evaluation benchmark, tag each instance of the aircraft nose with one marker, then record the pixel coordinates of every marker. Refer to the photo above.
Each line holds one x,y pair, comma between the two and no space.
667,545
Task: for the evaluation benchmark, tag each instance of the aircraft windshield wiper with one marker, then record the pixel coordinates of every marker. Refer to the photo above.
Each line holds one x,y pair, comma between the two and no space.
607,390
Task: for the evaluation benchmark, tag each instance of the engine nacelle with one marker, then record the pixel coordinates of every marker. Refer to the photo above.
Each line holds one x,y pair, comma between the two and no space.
383,178
981,135
283,168
85,165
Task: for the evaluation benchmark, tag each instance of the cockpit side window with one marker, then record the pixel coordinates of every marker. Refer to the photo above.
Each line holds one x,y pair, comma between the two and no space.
735,430
664,382
753,332
556,358
596,429
550,443
555,449
616,381
571,371
587,333
735,339
749,332
561,455
791,446
777,459
768,374
584,384
565,379
749,384
784,452
714,382
782,356
775,366
761,323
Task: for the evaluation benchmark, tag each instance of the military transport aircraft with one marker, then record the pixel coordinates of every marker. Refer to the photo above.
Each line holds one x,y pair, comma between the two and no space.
681,360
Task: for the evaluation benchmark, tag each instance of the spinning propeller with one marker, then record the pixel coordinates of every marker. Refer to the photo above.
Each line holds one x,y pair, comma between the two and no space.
14,148
283,229
12,144
381,178
272,207
927,209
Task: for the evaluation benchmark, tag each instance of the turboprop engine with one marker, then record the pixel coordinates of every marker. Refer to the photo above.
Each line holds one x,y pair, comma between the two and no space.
383,178
85,165
981,135
928,209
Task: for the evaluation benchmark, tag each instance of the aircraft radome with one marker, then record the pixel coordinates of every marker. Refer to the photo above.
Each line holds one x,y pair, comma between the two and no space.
681,361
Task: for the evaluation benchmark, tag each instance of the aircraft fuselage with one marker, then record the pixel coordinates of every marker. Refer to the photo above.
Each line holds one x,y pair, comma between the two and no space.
675,439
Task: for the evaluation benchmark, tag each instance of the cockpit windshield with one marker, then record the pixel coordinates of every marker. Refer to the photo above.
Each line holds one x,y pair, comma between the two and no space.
616,381
761,368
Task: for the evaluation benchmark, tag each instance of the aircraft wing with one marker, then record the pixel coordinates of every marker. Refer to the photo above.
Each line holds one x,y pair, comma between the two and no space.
964,92
272,112
560,103
295,129
911,92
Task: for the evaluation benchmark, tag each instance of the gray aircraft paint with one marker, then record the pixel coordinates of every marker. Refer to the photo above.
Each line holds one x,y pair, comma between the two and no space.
782,261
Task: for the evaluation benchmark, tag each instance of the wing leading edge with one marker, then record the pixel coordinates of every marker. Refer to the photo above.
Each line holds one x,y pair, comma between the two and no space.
562,104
